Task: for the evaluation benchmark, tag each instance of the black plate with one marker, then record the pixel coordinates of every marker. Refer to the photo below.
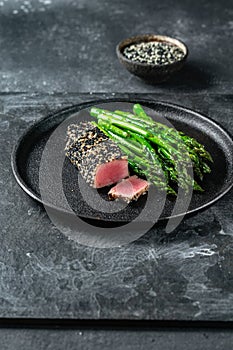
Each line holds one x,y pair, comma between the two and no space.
26,158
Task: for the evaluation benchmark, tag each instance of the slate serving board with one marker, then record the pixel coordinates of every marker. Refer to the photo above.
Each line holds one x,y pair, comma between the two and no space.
185,275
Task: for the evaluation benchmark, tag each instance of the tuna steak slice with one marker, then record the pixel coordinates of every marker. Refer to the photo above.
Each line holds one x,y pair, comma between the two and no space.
111,172
129,189
98,159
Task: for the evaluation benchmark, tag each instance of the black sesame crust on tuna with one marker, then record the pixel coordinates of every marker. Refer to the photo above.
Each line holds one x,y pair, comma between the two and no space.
87,147
76,132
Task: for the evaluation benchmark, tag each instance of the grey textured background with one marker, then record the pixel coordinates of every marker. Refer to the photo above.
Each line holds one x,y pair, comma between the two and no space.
69,46
51,53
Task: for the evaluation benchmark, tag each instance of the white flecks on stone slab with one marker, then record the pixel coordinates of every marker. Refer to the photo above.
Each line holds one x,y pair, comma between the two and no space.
4,125
225,233
184,251
45,2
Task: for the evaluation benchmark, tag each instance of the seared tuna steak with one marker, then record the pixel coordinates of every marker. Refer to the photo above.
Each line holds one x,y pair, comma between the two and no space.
129,189
98,159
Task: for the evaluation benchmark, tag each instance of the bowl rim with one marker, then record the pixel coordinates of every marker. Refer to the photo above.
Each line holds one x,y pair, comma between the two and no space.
151,37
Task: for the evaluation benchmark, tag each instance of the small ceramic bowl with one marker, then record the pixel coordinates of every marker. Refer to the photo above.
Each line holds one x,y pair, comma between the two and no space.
148,71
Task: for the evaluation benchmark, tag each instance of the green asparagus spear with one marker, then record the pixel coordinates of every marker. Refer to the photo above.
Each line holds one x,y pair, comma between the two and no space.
135,133
138,110
189,141
141,130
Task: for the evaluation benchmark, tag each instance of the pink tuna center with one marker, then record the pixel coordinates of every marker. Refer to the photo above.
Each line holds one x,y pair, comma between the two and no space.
111,172
130,187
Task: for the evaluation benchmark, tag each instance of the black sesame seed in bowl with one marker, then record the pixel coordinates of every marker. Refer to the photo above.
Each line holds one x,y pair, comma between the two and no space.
153,52
152,57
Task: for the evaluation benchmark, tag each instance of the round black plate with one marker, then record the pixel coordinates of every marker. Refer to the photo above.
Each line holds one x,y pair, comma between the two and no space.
26,158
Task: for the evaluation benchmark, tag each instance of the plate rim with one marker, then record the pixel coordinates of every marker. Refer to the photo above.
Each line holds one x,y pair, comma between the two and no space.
53,114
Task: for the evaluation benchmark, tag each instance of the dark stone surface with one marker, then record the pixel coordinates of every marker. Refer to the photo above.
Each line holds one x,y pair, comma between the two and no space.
160,339
66,46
